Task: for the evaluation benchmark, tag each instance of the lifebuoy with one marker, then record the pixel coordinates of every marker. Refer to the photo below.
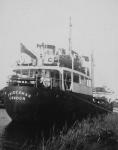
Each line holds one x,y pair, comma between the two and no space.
50,60
46,82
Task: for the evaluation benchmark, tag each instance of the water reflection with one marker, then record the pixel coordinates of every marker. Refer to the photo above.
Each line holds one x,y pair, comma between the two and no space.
16,136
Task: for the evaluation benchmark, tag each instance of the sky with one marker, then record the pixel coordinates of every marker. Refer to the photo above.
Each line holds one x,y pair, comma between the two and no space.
94,28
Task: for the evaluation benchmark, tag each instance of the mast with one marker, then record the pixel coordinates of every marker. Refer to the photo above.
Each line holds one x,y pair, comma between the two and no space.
92,69
21,47
70,51
70,36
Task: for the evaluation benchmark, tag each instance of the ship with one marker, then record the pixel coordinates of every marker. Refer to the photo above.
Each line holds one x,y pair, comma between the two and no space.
56,84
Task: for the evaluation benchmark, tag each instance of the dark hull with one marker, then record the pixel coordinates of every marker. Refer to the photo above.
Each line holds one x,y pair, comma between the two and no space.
24,103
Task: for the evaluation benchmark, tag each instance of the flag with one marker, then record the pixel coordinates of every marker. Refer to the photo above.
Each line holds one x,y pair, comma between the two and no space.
26,51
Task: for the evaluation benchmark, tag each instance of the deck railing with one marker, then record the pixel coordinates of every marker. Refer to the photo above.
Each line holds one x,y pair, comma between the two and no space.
37,81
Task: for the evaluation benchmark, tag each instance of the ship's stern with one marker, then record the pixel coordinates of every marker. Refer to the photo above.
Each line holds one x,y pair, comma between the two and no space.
21,102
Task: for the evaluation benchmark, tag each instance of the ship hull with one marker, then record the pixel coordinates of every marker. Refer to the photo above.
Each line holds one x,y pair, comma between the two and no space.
25,103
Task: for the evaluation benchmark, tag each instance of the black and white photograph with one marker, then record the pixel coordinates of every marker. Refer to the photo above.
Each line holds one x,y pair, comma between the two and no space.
58,75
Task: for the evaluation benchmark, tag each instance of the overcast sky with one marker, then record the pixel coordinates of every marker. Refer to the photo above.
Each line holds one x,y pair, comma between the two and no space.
95,27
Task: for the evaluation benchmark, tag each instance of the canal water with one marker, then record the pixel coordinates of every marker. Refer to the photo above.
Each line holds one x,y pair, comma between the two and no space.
15,136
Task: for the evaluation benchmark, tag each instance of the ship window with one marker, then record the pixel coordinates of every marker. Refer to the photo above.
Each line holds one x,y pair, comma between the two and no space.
89,82
88,72
86,81
82,80
31,72
49,52
25,72
82,77
76,77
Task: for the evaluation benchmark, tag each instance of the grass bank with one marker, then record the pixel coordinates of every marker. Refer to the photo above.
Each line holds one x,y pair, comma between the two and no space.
91,134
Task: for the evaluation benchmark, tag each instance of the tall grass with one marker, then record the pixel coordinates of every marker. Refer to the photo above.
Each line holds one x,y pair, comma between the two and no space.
91,134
